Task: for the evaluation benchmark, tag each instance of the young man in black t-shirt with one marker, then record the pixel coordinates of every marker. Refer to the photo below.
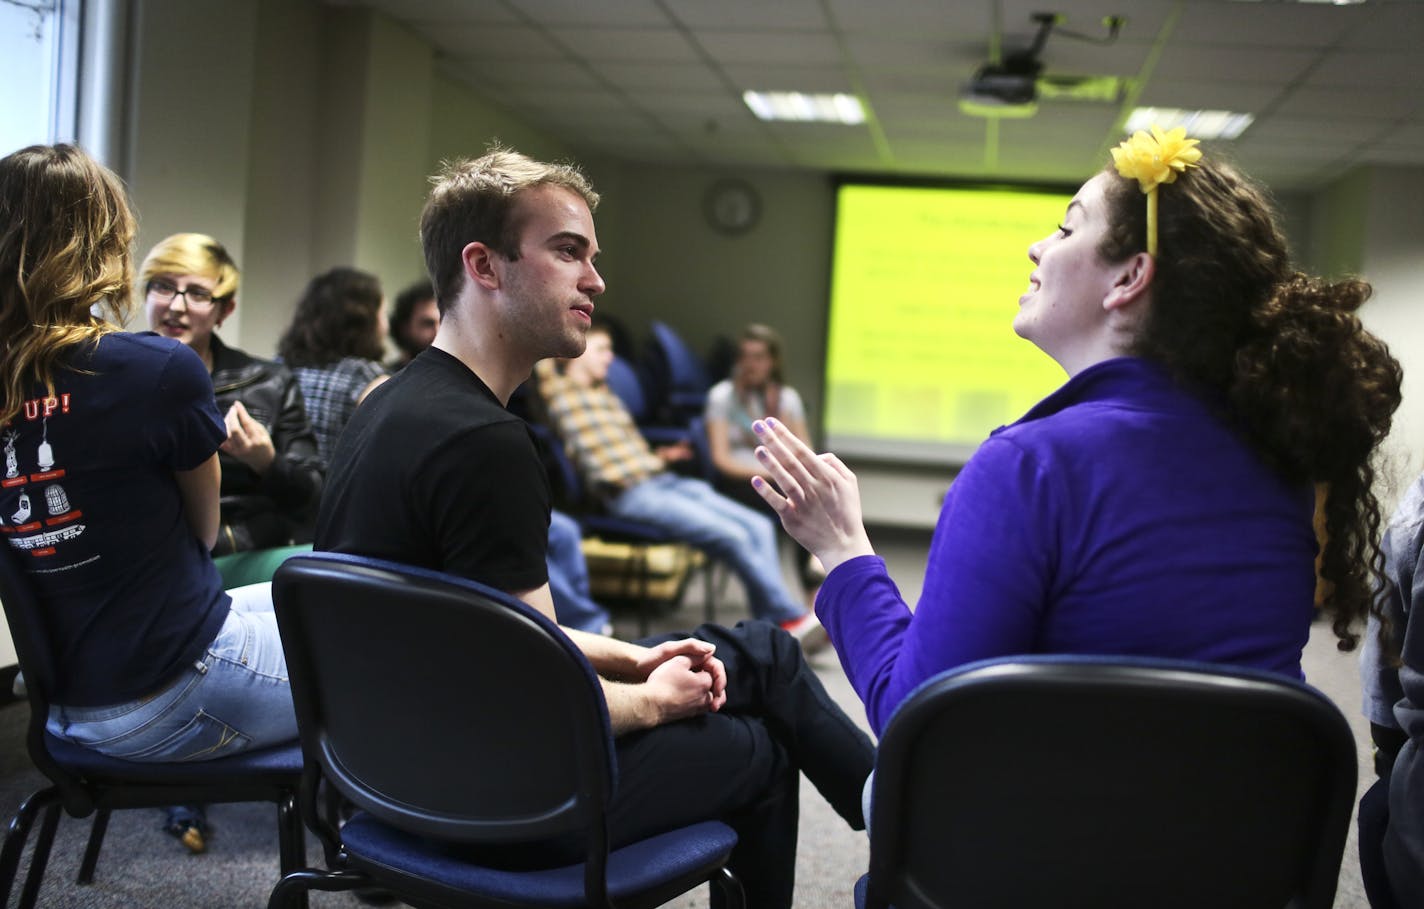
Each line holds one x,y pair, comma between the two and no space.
433,471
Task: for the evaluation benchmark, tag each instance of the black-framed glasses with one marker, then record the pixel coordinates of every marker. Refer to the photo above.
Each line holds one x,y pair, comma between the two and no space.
194,296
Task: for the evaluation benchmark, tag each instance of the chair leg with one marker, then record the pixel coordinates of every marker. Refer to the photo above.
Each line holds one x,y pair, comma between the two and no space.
291,839
16,836
644,574
30,895
91,850
731,888
709,587
298,883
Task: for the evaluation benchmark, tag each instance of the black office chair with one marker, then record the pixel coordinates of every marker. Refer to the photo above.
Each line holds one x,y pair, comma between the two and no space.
1110,782
450,713
84,782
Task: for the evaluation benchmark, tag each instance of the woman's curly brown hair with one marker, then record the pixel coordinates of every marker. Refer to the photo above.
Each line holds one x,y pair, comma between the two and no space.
1284,353
337,316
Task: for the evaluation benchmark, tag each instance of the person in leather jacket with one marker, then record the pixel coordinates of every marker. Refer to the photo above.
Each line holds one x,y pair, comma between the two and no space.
272,473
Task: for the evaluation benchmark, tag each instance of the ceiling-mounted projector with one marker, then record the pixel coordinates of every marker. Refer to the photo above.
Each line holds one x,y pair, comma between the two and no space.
1008,90
1012,88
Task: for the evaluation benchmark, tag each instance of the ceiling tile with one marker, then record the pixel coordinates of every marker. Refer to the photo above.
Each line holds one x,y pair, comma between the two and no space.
1389,26
1404,69
782,14
627,45
1344,80
640,76
741,46
870,51
603,14
776,77
1263,65
493,42
1267,24
1351,103
466,11
1247,98
912,18
486,73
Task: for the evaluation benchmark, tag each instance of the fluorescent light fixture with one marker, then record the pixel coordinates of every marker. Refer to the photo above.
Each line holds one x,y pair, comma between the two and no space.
800,107
1207,125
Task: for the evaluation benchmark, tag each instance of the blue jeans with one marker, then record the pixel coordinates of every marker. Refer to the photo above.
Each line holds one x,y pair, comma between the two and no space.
568,577
234,698
694,511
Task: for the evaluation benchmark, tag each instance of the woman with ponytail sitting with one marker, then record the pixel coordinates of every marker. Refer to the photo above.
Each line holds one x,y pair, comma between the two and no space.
1160,502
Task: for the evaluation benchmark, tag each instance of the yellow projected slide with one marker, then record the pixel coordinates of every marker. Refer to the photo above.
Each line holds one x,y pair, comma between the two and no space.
922,358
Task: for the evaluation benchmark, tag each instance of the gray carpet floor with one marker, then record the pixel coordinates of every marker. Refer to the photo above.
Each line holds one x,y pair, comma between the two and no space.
142,867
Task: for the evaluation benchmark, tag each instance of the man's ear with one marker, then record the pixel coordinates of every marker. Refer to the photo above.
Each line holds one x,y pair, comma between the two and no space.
481,265
1133,280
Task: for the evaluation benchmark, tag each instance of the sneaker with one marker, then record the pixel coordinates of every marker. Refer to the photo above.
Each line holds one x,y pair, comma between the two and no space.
808,631
189,825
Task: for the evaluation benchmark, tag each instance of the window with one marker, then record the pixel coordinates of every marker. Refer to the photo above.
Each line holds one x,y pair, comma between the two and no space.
39,43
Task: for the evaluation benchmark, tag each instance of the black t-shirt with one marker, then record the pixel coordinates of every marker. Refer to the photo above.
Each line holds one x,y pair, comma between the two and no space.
433,471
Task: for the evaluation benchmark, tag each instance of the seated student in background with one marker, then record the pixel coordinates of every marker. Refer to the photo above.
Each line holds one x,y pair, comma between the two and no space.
1160,502
414,321
754,390
434,471
110,499
271,469
634,481
334,347
568,578
1392,811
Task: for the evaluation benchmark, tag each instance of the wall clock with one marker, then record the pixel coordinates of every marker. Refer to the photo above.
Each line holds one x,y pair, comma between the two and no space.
731,206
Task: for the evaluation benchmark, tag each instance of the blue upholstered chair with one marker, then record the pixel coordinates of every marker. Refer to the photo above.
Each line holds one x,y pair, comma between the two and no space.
451,714
84,782
1110,782
678,376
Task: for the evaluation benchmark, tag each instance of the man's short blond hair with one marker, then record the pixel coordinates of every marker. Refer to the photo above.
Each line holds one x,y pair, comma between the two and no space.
471,201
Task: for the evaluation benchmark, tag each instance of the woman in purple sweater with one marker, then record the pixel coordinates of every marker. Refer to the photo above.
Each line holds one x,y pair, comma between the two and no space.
1160,502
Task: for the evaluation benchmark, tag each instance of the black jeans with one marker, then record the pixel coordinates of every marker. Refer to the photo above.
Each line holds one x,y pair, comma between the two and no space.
739,765
1373,819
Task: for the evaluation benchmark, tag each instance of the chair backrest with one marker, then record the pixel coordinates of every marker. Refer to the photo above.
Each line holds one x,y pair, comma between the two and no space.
442,706
678,374
568,486
701,448
624,381
25,617
1110,782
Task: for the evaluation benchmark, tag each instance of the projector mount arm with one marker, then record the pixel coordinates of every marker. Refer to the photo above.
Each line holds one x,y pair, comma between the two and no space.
1027,60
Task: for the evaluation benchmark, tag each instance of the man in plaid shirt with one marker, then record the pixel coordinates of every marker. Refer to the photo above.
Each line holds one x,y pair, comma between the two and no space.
633,481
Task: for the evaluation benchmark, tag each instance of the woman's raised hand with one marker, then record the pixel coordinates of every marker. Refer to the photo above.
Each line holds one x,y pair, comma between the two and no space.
819,499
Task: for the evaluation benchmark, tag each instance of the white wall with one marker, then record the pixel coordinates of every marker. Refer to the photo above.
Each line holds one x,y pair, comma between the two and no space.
1393,261
188,125
304,142
1360,227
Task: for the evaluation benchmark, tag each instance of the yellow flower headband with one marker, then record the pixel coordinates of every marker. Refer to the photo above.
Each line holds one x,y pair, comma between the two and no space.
1152,160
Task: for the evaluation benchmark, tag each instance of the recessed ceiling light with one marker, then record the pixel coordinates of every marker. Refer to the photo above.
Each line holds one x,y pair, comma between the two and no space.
1207,125
800,107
